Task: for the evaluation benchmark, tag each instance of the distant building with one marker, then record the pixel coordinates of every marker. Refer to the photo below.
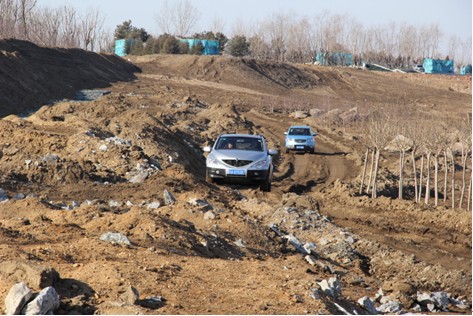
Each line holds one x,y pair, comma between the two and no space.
438,66
210,46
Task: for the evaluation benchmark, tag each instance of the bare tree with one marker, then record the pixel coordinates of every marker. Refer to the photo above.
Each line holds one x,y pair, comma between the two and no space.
177,19
379,133
90,27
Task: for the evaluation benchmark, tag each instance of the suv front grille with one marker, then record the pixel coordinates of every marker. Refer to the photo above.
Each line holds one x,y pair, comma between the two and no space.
300,140
237,163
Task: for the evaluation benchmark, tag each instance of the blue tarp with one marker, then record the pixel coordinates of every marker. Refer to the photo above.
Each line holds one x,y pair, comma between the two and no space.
338,58
437,66
122,46
466,70
210,46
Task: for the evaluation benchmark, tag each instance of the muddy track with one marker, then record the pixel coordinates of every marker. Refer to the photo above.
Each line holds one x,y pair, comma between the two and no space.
312,174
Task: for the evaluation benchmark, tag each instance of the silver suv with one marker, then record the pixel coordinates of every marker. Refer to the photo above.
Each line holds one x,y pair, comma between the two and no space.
300,138
240,156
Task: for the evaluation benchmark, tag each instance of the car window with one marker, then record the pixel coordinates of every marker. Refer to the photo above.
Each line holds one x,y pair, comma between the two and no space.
239,143
299,132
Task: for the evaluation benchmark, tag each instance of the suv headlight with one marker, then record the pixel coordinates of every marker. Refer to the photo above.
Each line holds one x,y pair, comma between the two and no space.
212,161
310,140
262,164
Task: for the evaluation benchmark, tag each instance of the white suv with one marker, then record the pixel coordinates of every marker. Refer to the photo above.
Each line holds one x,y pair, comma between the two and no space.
300,138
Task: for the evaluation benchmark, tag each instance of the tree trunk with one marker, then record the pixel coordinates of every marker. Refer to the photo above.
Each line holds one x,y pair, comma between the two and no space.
371,172
375,178
421,175
453,179
436,182
415,174
364,172
464,159
401,168
469,191
445,181
427,181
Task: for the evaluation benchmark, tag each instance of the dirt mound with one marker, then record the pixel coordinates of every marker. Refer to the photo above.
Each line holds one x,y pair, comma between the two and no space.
31,76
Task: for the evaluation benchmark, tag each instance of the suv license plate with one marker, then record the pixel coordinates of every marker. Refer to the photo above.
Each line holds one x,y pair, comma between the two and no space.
299,147
236,172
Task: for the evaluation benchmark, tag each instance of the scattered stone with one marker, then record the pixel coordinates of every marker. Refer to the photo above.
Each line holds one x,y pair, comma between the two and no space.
103,147
139,176
115,238
297,244
311,260
154,205
3,195
332,287
45,303
131,296
17,298
390,307
368,304
113,203
441,300
50,158
240,243
309,247
152,302
168,198
18,196
209,215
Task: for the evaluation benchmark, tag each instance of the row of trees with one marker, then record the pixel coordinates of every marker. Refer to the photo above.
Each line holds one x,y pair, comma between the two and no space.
281,37
434,148
53,27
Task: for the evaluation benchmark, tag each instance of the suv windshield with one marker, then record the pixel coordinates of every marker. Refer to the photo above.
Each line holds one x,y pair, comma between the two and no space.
299,131
239,143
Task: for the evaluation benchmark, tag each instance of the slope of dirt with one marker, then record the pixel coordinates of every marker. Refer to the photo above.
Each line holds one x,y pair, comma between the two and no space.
73,171
31,76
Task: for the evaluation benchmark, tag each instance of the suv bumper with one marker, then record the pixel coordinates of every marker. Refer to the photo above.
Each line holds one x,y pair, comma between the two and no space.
249,174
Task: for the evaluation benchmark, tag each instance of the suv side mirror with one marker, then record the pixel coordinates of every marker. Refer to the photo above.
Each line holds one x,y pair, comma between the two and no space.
273,152
207,149
315,134
285,133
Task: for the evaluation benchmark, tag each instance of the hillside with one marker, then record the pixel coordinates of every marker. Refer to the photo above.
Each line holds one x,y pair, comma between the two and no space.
131,162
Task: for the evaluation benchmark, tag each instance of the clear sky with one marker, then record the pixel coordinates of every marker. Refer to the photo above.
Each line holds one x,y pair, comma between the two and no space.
452,16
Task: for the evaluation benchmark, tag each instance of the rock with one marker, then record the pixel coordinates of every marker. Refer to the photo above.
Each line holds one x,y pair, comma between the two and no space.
441,300
103,147
391,307
299,115
311,260
113,203
45,303
139,176
240,243
152,302
18,196
368,304
16,299
168,198
332,287
115,238
297,244
209,215
131,296
310,247
36,276
3,195
154,205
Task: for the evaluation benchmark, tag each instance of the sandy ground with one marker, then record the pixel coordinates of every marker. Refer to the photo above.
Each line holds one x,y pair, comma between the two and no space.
76,170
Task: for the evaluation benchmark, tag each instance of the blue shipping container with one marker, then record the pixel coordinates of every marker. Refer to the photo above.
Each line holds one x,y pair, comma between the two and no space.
437,66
